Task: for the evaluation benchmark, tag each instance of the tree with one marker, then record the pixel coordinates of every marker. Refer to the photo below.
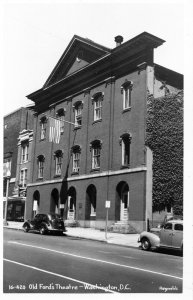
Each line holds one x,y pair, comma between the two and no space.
165,138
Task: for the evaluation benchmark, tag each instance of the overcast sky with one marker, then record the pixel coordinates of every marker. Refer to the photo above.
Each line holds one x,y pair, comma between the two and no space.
36,34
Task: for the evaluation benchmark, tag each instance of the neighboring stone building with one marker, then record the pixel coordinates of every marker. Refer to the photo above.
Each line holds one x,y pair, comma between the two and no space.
17,150
103,157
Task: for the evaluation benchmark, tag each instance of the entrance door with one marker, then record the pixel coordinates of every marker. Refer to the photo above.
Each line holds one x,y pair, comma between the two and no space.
177,235
124,209
71,208
166,235
54,202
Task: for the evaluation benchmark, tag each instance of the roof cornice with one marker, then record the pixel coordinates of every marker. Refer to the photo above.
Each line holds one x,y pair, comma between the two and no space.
142,41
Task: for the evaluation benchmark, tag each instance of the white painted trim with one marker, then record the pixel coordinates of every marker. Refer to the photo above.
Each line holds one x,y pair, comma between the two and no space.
82,177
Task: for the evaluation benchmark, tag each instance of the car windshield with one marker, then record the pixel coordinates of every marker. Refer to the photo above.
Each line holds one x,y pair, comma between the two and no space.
54,216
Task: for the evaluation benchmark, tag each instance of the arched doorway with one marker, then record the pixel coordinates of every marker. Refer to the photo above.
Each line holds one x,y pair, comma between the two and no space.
123,198
71,214
54,203
91,199
36,203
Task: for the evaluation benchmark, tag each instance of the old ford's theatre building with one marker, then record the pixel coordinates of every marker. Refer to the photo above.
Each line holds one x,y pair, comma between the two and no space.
103,155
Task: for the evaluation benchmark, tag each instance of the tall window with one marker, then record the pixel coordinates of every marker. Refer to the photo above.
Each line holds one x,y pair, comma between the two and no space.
125,142
41,160
24,153
23,177
76,150
126,91
61,115
78,106
97,101
43,122
96,154
58,162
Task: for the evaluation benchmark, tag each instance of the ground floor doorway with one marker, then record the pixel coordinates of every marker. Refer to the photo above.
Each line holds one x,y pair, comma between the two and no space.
123,198
71,213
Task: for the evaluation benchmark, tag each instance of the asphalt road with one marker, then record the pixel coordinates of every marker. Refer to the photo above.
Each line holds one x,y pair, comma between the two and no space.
59,264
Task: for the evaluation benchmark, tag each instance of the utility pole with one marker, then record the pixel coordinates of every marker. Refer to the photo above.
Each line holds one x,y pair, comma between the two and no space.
107,205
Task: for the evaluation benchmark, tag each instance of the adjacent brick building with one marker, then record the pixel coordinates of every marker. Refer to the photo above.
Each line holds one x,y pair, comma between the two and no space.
18,136
103,156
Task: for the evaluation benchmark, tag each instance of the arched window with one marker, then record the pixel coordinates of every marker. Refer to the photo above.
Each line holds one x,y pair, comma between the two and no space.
43,122
24,152
23,177
58,162
95,148
97,99
60,114
125,142
76,152
78,106
126,89
41,160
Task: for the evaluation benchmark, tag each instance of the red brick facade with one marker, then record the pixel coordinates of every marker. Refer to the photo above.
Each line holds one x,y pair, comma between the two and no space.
118,134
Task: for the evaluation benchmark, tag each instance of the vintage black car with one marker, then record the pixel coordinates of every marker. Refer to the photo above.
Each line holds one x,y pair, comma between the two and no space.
45,223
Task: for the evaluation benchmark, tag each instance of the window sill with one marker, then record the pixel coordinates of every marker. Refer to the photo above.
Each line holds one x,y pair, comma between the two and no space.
39,179
77,127
97,121
95,170
126,109
57,175
125,167
74,173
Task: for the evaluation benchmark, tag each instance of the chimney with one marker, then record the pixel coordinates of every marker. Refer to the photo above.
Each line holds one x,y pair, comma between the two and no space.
118,40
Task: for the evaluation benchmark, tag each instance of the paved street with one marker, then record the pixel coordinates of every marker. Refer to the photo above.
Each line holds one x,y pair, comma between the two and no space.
61,264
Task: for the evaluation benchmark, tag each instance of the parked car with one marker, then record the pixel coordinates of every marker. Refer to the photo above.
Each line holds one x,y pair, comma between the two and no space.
169,217
169,236
45,223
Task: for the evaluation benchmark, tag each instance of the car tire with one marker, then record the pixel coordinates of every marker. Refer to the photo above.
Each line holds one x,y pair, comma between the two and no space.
26,228
42,230
145,244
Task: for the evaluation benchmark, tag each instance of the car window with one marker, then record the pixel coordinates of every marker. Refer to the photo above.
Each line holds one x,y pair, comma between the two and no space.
178,227
168,226
37,217
41,217
54,216
44,218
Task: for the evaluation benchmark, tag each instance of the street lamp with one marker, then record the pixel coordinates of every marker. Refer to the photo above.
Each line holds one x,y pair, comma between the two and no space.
7,192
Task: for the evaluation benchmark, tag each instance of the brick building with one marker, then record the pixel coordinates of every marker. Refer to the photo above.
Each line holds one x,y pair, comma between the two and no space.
18,135
103,156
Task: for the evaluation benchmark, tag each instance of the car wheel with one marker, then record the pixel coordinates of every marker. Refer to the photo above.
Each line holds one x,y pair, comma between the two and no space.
26,228
145,244
42,230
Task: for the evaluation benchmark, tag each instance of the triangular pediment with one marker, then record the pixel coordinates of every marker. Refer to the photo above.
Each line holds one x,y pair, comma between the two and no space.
79,53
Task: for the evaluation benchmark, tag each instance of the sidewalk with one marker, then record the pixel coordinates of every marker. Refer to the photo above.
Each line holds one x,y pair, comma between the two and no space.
128,240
